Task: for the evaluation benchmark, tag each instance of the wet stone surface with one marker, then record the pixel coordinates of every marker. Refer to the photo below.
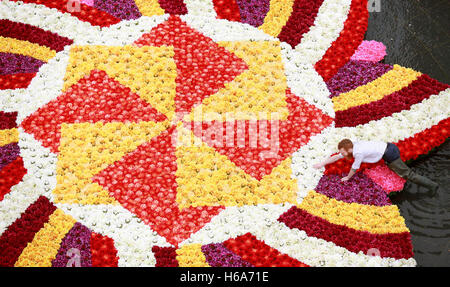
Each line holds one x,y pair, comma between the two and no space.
416,34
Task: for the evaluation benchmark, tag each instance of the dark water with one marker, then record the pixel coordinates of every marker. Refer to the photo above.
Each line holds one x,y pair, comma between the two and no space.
416,33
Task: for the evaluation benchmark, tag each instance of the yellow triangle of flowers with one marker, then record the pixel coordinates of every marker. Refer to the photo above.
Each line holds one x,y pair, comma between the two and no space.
207,178
86,149
256,93
148,71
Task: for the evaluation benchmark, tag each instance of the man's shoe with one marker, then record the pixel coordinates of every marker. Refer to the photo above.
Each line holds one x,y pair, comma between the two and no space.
433,190
426,182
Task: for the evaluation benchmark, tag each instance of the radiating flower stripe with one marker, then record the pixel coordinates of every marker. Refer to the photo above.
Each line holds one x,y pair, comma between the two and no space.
217,255
425,141
322,34
9,136
174,7
299,245
45,245
277,17
8,120
373,219
165,256
422,88
23,230
18,64
404,124
87,13
75,248
11,164
8,153
16,81
33,34
259,254
355,74
360,189
300,21
123,9
11,175
104,253
253,12
11,45
389,83
131,240
149,7
227,9
392,245
191,255
349,39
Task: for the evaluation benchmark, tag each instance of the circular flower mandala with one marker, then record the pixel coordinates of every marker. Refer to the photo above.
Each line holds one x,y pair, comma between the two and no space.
188,138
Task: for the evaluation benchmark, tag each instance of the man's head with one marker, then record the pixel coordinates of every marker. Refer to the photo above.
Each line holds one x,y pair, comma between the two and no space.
345,147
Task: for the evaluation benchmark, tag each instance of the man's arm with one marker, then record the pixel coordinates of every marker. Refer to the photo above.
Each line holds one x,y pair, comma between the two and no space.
356,165
329,160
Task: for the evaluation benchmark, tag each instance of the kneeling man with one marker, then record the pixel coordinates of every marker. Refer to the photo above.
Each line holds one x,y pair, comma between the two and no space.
373,151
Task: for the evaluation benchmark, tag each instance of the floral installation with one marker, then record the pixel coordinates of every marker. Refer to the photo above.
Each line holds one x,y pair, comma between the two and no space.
115,118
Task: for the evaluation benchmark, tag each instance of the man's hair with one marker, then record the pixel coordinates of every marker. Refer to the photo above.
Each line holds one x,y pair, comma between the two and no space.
345,144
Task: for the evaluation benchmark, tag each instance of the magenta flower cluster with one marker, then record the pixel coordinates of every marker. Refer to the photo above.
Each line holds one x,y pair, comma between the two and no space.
217,255
75,247
355,74
359,189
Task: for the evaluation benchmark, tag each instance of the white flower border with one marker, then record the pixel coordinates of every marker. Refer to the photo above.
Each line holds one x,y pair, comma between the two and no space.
135,239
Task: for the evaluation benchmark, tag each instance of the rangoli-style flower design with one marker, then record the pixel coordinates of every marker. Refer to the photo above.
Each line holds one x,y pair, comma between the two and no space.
188,138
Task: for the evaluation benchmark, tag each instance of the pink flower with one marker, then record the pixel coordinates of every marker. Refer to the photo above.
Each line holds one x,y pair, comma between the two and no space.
370,51
386,178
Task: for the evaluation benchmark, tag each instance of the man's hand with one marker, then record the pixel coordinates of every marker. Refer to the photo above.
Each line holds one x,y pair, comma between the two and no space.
318,165
350,174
